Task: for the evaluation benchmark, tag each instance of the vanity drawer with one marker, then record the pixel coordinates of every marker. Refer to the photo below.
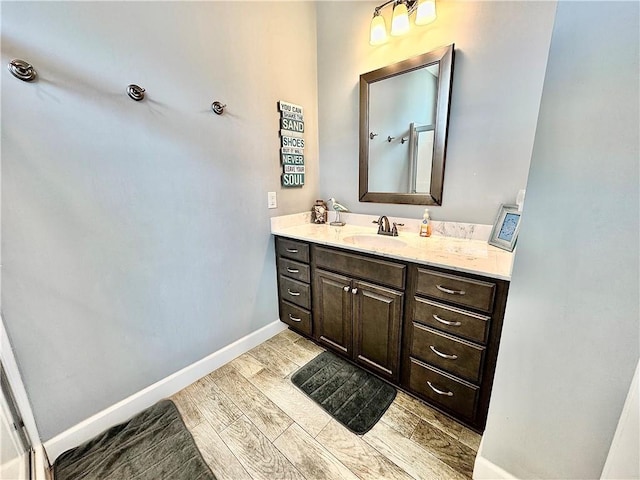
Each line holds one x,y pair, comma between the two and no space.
296,317
295,292
451,320
295,270
452,288
292,249
455,395
455,356
372,269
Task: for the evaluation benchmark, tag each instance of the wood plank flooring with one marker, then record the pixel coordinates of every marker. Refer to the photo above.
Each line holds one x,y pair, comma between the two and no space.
250,422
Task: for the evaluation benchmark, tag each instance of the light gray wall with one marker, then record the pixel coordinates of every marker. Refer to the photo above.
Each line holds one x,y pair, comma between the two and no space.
135,236
501,53
570,340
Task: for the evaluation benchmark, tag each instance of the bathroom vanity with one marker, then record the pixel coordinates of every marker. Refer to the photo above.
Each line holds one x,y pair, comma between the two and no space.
423,313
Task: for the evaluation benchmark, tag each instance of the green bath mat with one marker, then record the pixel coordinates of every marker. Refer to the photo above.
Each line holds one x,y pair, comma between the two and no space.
352,396
153,445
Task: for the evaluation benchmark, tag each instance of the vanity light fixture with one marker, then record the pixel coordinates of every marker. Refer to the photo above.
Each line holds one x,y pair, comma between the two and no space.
400,20
425,14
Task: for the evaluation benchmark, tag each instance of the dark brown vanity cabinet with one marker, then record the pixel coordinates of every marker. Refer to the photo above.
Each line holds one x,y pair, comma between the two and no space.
432,331
357,317
294,284
451,337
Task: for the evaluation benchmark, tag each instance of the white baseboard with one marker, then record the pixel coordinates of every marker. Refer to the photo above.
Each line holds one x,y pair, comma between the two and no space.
484,469
166,387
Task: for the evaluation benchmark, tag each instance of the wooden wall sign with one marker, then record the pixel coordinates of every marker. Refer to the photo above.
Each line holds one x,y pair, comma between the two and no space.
291,144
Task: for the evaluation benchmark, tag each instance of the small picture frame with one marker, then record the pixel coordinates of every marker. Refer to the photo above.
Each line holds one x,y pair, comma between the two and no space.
506,227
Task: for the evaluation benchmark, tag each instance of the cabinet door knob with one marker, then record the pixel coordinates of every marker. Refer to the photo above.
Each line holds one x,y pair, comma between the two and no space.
354,291
439,392
346,289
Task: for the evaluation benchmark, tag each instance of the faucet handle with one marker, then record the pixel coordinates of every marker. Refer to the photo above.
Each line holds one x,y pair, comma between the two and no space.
394,230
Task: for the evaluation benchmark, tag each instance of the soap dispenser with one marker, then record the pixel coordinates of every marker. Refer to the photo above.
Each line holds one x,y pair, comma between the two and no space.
425,226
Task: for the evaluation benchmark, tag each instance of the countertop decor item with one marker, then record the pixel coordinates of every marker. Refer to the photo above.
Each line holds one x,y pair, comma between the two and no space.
319,212
338,208
506,227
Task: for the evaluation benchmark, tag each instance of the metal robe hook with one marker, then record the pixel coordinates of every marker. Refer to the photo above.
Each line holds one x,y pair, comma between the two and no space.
135,92
218,108
22,70
390,138
372,135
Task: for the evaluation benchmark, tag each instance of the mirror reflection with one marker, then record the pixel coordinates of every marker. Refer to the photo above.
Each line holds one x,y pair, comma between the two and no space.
400,155
404,111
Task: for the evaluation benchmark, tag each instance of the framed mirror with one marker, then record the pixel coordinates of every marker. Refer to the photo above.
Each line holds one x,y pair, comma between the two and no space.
404,117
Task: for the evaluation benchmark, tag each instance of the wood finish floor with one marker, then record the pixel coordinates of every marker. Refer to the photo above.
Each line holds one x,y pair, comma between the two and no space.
250,422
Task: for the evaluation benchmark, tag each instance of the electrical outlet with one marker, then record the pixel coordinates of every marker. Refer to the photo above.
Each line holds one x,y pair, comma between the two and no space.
272,201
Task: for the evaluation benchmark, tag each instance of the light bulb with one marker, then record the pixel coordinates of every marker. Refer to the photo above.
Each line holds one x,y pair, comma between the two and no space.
426,12
378,31
400,20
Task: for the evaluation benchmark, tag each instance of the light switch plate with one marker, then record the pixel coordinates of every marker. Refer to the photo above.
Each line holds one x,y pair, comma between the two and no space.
272,201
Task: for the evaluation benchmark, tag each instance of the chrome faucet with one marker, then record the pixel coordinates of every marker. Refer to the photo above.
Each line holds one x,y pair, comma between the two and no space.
385,229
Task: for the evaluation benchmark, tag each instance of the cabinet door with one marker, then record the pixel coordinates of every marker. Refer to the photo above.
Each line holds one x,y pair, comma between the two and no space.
377,317
332,311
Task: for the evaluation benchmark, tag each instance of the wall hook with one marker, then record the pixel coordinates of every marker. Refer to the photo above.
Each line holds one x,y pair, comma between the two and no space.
22,70
135,92
372,135
218,108
404,140
390,138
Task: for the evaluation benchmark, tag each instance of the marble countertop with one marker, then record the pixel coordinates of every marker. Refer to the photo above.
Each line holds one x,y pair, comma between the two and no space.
468,255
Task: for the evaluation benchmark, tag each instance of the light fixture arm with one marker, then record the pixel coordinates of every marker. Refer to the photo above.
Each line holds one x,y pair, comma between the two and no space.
380,7
411,5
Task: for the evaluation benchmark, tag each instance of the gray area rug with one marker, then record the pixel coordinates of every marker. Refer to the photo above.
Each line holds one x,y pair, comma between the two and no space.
153,445
355,398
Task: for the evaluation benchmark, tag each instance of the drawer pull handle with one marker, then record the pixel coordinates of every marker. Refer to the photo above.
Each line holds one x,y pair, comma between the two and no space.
346,289
443,355
294,294
292,250
449,291
446,322
354,291
293,270
439,392
291,317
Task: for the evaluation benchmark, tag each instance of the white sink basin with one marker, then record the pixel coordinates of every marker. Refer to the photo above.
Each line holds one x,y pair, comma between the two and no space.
373,241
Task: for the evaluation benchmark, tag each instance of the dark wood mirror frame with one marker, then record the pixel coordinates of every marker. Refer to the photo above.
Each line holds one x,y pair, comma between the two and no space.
444,55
